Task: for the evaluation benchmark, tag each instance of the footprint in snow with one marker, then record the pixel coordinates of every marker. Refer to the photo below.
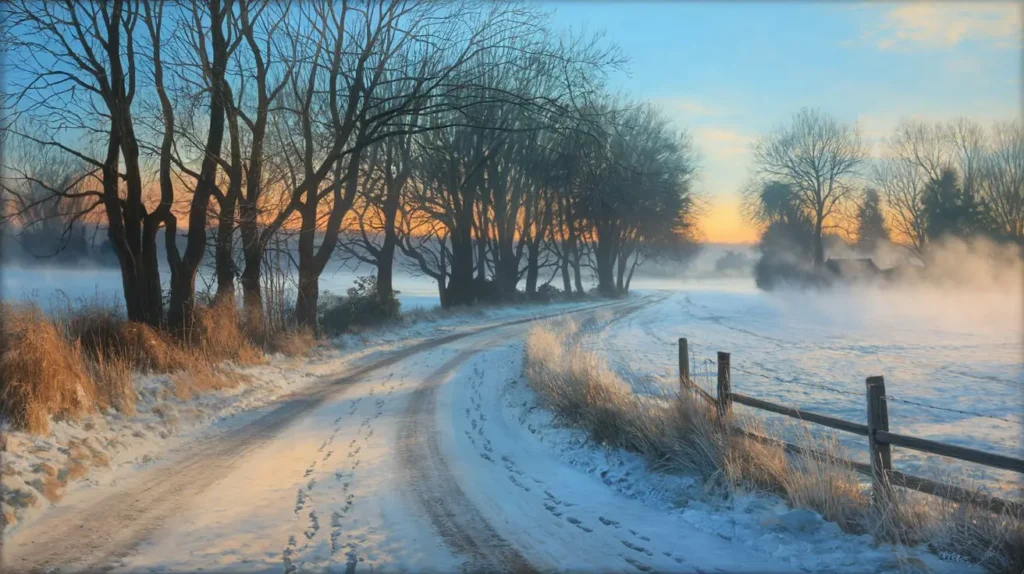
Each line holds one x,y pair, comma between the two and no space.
638,535
639,565
637,548
517,483
314,526
578,524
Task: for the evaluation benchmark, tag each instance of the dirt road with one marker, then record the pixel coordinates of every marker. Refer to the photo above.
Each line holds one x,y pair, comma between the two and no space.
112,527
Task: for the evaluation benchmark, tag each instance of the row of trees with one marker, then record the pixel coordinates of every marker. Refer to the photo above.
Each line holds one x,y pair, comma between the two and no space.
954,178
814,178
467,136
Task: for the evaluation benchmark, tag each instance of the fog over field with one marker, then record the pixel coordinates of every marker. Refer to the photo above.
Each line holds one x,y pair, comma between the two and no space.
406,285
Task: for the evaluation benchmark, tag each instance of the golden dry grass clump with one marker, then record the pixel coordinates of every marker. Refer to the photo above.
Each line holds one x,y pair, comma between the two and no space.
85,358
43,373
104,334
217,335
295,343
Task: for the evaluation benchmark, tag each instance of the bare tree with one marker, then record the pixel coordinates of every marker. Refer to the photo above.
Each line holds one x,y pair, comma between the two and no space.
1003,179
77,77
818,157
902,184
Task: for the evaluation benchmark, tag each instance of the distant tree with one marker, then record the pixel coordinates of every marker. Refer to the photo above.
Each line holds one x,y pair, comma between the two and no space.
787,243
816,156
949,208
1003,181
871,227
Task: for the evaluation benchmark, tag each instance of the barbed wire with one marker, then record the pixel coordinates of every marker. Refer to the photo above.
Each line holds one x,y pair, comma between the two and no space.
933,407
707,363
795,381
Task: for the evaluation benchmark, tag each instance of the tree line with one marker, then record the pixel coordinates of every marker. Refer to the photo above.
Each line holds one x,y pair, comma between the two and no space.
467,136
815,179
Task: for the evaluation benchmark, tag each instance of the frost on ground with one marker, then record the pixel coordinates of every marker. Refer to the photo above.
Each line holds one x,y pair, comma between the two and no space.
957,351
38,472
762,524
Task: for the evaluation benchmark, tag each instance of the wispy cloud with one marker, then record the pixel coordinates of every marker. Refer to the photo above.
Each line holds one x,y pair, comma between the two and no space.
721,143
684,109
944,25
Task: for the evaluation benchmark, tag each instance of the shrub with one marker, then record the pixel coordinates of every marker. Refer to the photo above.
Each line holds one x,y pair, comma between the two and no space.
361,307
548,292
43,373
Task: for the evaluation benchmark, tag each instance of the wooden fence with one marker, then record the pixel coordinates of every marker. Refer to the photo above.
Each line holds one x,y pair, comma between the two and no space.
876,429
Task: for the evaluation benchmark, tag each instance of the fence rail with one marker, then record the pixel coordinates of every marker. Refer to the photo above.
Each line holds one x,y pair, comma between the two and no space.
880,439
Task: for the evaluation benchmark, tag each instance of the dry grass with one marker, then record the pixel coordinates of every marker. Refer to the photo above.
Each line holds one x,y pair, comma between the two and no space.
294,343
113,378
824,484
43,374
683,433
84,358
217,335
995,541
203,379
103,333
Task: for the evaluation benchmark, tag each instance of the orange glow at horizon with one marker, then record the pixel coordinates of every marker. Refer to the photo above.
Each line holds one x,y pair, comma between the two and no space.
723,223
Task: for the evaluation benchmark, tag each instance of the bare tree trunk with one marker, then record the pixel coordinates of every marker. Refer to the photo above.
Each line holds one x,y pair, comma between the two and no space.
224,260
532,268
460,285
632,269
566,282
605,253
577,274
154,313
183,272
224,256
819,250
386,257
620,277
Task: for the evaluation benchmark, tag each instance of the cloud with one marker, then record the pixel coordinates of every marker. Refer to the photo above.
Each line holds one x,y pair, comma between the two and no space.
944,25
684,110
721,143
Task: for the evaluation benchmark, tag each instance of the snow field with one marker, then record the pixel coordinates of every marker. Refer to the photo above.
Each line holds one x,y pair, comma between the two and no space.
814,351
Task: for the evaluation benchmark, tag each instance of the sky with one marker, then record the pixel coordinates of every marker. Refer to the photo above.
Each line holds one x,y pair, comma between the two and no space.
729,72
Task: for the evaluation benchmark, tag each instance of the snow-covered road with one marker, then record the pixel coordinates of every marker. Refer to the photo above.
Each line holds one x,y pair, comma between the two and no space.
431,457
281,490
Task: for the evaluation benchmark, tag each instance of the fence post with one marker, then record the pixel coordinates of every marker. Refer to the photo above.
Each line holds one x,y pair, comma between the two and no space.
881,453
684,364
724,386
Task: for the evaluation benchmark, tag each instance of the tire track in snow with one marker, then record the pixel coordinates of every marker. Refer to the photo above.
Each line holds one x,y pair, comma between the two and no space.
105,529
450,511
436,489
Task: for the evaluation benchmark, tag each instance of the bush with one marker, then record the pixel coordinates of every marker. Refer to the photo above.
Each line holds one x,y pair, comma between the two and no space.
361,307
547,292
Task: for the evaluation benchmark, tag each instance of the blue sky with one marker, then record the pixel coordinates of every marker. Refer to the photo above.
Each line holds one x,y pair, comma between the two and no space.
730,71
